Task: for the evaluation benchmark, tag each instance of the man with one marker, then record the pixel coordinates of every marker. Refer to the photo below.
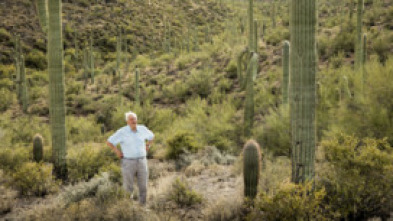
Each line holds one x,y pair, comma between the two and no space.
132,139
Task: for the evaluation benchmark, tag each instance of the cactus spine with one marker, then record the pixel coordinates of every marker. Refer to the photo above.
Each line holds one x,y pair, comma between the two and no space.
37,148
56,89
303,21
42,14
285,67
358,44
251,168
137,101
249,102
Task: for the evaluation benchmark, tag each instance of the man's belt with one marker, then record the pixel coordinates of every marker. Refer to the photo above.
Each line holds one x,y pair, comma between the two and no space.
134,158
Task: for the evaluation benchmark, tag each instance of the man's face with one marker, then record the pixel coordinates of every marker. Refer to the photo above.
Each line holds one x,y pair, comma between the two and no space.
132,122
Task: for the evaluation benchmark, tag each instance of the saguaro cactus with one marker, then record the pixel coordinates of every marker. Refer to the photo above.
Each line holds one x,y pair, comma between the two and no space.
250,25
85,67
137,101
251,168
91,60
23,85
42,14
364,49
255,36
37,148
303,21
249,102
56,89
358,43
285,72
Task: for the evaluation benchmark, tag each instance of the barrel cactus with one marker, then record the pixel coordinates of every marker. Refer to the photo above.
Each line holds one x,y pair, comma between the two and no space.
251,168
303,23
38,148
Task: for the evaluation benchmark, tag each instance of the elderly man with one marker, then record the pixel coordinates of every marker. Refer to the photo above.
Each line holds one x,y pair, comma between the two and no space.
132,139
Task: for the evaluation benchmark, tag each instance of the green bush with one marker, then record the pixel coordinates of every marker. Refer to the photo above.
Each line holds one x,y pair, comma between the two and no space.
200,83
12,158
179,143
290,202
277,36
82,129
183,195
275,132
358,176
86,161
36,59
34,179
7,98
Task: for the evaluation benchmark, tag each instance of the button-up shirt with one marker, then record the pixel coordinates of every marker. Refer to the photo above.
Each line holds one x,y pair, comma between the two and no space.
132,143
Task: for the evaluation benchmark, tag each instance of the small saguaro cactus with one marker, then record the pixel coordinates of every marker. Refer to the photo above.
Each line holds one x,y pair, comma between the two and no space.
249,102
38,148
91,60
364,48
285,67
256,36
358,43
23,85
251,168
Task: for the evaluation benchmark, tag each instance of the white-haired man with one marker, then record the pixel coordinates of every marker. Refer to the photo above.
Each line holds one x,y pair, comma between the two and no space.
134,140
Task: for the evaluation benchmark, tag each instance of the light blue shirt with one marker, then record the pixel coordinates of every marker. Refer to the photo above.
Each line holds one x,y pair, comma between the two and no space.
132,143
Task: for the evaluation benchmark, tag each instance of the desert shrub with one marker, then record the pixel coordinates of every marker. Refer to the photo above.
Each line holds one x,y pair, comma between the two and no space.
82,190
36,59
225,209
12,158
183,195
344,40
22,129
7,98
200,83
357,176
231,69
213,125
277,36
275,133
142,61
114,172
82,129
34,179
127,210
381,46
85,161
369,115
179,143
291,202
7,196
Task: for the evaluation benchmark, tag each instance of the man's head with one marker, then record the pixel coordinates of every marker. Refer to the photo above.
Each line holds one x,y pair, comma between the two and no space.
131,119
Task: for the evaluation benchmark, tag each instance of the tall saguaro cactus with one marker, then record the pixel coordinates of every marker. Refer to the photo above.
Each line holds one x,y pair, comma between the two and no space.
56,89
42,14
303,21
285,72
251,168
358,43
255,36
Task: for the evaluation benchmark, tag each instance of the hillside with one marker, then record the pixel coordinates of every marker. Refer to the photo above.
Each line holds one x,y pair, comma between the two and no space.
179,72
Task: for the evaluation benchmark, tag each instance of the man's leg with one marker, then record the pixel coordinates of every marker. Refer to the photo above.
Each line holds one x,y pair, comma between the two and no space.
143,176
128,170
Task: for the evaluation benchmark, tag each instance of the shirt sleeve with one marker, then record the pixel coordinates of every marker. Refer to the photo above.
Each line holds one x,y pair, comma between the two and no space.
149,135
115,139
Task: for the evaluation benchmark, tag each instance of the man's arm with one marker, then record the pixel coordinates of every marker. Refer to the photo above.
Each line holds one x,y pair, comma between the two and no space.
117,151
